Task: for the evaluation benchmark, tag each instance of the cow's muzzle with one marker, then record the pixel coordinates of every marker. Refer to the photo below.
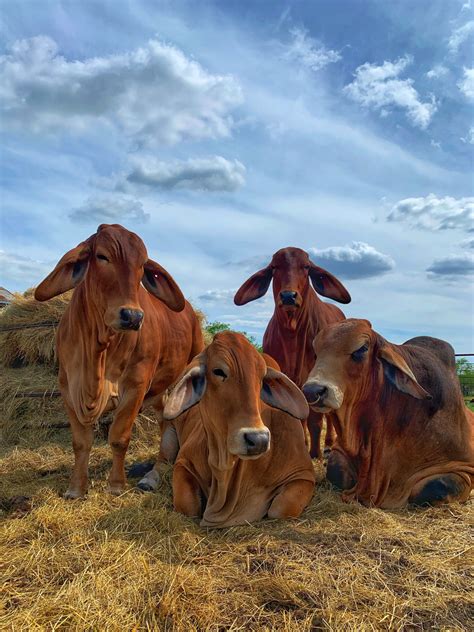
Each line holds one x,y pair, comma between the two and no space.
322,397
130,319
249,443
288,297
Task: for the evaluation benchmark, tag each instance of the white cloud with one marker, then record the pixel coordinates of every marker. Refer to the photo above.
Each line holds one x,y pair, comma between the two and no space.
112,208
459,36
434,213
379,88
216,296
452,266
437,72
308,52
23,269
467,243
154,94
467,84
469,138
355,261
201,174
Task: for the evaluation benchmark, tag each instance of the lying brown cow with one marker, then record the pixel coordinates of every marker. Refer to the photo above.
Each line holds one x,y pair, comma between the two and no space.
404,433
299,315
118,342
239,459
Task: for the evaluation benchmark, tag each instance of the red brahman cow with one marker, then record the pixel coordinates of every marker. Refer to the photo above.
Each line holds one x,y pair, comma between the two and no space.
404,432
118,341
299,315
238,458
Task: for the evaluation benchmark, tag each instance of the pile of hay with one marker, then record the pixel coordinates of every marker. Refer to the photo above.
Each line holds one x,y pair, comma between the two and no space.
30,345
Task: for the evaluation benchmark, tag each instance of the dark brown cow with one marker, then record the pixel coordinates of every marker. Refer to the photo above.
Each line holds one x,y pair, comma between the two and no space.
118,342
239,457
299,315
404,432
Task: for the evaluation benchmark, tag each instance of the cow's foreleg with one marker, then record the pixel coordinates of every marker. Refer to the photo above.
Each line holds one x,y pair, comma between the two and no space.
291,500
340,472
119,437
186,493
315,424
82,439
330,437
440,490
169,447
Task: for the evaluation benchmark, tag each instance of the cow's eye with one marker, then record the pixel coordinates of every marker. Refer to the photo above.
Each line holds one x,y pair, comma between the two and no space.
306,267
359,354
219,373
102,257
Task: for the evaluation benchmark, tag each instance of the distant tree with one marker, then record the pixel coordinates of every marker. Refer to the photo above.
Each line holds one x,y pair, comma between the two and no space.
216,327
464,367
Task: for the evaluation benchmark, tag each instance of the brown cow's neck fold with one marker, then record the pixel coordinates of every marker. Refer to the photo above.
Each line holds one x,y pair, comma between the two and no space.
92,337
226,475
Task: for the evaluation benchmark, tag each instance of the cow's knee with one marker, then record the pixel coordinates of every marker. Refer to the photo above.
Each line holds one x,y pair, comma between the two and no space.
440,490
338,472
292,500
187,498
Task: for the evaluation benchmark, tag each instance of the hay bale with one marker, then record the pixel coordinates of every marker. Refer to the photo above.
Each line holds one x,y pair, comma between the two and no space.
24,345
19,413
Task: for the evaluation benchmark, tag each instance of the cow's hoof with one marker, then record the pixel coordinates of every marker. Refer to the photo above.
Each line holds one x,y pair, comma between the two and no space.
150,482
326,453
73,494
116,490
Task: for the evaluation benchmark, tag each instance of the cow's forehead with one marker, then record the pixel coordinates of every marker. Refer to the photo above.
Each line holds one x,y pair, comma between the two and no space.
234,349
343,334
290,256
120,241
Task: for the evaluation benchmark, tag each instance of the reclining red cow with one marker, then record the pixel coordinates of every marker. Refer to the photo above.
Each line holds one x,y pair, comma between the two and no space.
299,315
240,455
404,432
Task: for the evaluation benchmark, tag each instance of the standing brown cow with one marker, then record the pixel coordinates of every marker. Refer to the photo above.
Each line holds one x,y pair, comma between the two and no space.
299,315
127,334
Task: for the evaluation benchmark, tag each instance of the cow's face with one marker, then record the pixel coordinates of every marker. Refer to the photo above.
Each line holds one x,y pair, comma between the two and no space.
230,379
291,271
113,263
352,359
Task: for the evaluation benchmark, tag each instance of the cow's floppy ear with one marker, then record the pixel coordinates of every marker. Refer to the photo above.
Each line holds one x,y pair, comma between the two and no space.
280,392
399,374
327,285
254,287
162,285
68,273
188,390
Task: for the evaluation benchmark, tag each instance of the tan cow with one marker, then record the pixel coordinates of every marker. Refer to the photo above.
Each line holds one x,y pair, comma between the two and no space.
241,453
404,432
126,335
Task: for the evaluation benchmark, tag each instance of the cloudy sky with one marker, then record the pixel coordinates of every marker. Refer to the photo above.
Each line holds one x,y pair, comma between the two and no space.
223,131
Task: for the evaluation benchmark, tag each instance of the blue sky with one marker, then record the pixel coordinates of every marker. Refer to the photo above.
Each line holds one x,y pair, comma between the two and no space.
221,132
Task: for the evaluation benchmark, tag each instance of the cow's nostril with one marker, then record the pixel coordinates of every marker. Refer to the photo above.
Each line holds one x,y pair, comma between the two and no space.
314,392
288,297
256,442
131,318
